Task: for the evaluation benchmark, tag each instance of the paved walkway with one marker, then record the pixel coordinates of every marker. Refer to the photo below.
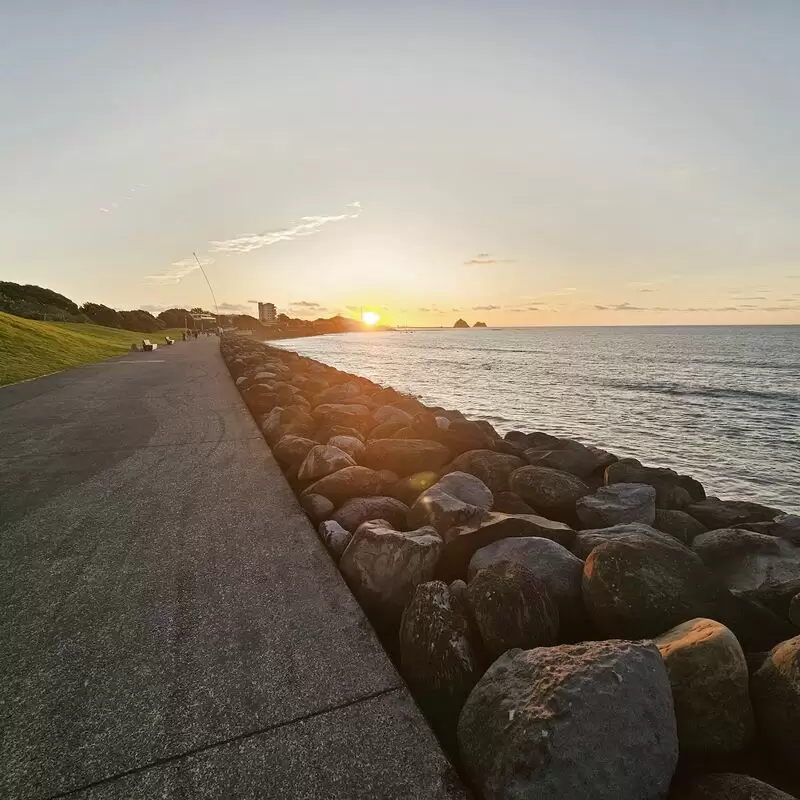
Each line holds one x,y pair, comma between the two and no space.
171,625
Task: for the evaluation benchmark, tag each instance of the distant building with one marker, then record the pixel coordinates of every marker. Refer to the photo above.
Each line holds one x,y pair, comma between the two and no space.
267,314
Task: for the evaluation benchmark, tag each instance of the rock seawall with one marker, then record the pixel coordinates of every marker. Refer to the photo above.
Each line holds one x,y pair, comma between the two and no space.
542,597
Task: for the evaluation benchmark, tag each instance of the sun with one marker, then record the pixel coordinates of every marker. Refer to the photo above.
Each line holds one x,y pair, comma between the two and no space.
370,317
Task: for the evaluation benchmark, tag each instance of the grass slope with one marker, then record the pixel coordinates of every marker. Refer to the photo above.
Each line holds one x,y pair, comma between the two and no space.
29,348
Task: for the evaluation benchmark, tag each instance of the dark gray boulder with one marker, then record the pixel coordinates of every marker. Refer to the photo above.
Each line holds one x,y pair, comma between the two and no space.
383,566
456,499
350,415
322,460
755,565
558,569
317,507
775,692
639,588
672,490
709,678
511,608
576,459
786,526
616,505
549,491
727,786
715,513
410,487
794,610
510,503
292,450
351,445
437,656
586,541
271,426
684,527
335,538
493,468
358,510
346,483
406,456
590,721
462,541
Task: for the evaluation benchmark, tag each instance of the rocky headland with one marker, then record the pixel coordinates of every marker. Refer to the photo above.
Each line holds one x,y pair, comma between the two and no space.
574,625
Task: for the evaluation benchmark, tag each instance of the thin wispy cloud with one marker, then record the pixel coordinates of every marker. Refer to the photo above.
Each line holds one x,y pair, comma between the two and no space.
305,304
235,308
486,258
179,270
305,226
485,308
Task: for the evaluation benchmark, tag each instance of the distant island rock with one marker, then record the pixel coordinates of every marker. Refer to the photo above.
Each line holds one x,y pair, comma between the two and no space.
460,323
479,325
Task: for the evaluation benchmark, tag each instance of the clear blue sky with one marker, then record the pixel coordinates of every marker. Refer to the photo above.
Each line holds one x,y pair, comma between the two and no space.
531,162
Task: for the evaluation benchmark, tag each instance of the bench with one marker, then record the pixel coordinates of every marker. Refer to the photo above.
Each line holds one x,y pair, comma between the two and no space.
147,345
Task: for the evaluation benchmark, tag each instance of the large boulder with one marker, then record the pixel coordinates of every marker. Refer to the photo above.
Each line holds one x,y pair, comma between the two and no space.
494,469
709,678
775,691
510,503
409,488
458,498
672,490
715,513
679,524
383,566
271,426
335,538
437,655
786,526
638,588
351,445
590,721
558,569
511,608
794,610
575,459
406,456
617,504
342,393
317,507
462,541
727,786
346,483
756,565
586,541
359,510
322,460
392,414
292,450
350,415
549,491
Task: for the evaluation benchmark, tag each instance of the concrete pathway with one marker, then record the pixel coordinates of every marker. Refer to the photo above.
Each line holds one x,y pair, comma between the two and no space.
171,625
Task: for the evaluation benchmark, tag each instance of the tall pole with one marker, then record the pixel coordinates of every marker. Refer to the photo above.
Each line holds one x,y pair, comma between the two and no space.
213,296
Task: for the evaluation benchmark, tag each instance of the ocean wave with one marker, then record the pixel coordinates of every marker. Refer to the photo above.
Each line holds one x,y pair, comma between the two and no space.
709,391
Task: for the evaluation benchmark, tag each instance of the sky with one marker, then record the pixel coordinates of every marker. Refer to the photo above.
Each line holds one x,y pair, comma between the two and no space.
613,162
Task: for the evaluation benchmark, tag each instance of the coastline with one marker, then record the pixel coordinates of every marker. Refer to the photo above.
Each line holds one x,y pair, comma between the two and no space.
418,505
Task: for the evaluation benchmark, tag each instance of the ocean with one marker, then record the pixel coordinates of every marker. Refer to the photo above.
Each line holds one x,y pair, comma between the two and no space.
719,403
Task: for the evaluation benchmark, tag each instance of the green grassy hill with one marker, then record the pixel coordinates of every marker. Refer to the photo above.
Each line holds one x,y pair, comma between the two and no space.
29,348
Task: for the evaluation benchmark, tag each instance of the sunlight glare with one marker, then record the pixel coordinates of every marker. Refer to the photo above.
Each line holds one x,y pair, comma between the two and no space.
371,318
